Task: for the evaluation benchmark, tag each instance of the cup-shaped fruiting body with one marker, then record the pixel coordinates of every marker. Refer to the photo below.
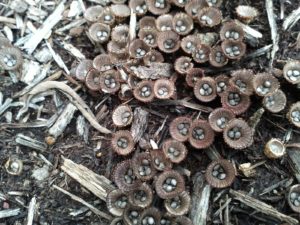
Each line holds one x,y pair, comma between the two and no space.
189,43
294,114
164,22
291,72
116,202
178,205
238,134
153,56
275,102
158,7
169,184
138,6
120,11
180,3
117,52
183,64
233,49
10,58
233,99
125,92
159,160
201,53
201,135
122,116
193,75
219,118
194,6
99,32
150,216
149,36
83,68
144,91
138,49
102,63
107,16
179,128
131,65
246,13
294,198
168,41
274,149
222,82
124,176
265,84
182,220
232,31
14,166
92,14
215,3
217,58
118,221
164,88
122,142
147,22
142,196
92,80
143,167
120,34
220,173
182,23
174,150
109,81
242,79
205,89
132,214
209,16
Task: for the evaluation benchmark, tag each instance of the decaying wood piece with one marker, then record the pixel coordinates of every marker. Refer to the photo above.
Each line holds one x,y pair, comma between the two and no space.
293,156
274,31
291,20
249,30
31,211
262,207
72,95
30,142
139,124
200,200
154,71
92,208
9,212
97,184
63,120
185,103
45,28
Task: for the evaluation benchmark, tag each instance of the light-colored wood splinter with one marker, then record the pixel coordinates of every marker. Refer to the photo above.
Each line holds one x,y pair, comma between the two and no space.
262,207
74,98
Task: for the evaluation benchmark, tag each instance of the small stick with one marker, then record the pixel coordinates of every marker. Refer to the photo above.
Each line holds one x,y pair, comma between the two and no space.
262,207
72,95
9,212
31,211
92,208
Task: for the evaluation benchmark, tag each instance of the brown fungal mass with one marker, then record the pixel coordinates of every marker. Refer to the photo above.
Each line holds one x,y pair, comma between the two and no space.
168,41
178,205
143,167
169,184
205,89
160,161
142,196
116,202
193,75
265,84
109,81
201,134
92,80
219,118
179,128
220,173
163,88
293,198
294,114
275,102
174,150
144,91
10,58
122,142
122,115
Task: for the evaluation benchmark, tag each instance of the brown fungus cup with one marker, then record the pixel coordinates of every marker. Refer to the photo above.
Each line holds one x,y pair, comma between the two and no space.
220,173
217,58
219,118
122,142
174,150
160,161
99,32
233,49
205,89
178,205
294,198
294,114
122,116
164,88
209,16
116,202
169,184
275,102
183,64
10,58
109,81
232,31
144,91
238,134
168,41
142,196
201,135
193,75
143,167
179,128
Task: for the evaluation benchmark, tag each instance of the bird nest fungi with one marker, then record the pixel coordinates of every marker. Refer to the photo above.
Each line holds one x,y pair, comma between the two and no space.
163,58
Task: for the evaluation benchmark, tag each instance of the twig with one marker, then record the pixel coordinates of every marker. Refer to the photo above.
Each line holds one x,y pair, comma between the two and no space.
9,212
139,124
97,184
273,26
31,211
72,95
45,28
262,207
249,30
92,208
291,20
4,19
